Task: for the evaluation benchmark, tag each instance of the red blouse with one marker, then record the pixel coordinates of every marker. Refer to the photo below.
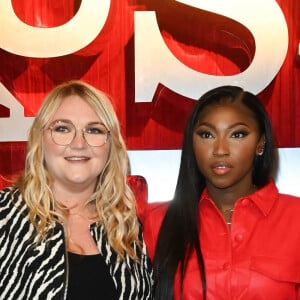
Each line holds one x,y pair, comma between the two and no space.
258,258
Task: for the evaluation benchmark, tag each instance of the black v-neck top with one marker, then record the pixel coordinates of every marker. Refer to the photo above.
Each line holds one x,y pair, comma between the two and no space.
89,278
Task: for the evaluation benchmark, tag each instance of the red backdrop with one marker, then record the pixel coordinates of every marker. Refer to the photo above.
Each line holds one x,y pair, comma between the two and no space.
108,63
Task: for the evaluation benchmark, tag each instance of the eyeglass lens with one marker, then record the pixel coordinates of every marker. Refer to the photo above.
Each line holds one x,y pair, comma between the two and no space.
63,133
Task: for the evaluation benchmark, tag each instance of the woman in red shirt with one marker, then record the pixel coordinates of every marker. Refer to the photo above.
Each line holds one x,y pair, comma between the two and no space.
227,233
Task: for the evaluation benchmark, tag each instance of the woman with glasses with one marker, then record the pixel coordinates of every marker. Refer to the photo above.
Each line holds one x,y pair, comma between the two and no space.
68,227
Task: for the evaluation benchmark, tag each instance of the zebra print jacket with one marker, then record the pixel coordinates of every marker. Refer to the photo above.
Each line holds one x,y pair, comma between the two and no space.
30,269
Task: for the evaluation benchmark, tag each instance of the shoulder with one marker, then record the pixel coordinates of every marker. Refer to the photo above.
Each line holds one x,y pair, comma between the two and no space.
288,197
8,197
12,206
269,196
291,200
287,208
4,192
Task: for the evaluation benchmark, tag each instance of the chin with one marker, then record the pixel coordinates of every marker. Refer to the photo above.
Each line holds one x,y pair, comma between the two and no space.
221,184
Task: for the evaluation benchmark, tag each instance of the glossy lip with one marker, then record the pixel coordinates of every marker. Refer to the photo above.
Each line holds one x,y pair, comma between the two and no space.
221,168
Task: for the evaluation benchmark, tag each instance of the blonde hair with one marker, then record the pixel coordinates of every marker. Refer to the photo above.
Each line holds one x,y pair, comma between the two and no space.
114,200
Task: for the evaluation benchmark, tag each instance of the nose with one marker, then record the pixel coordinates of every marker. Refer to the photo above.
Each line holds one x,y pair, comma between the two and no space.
78,140
221,147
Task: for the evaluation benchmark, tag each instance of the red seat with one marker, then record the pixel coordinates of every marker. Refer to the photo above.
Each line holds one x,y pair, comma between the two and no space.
6,180
139,186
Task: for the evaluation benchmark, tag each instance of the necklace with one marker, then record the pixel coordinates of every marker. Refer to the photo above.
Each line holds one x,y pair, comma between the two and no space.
227,213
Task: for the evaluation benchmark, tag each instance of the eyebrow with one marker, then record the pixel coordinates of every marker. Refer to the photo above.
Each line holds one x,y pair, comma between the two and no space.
70,122
95,123
230,127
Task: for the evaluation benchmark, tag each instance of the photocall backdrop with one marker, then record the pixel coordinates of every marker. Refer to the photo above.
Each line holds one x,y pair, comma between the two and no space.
155,58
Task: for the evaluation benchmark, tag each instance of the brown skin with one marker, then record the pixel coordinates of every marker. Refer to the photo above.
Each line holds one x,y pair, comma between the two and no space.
226,141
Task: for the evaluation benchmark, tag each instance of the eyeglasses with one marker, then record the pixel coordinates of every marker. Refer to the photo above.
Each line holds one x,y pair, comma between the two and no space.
64,132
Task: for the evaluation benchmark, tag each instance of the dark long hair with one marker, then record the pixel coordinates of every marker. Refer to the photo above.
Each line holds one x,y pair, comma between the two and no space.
179,233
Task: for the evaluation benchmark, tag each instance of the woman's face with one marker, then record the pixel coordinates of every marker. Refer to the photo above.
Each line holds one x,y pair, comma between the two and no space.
76,165
226,139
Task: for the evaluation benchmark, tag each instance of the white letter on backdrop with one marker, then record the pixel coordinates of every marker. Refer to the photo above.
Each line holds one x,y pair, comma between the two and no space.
22,39
14,128
154,63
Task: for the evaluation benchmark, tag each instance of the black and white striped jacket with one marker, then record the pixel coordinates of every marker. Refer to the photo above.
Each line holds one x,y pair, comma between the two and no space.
40,271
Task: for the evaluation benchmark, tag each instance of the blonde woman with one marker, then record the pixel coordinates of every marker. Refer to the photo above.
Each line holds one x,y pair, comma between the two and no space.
68,227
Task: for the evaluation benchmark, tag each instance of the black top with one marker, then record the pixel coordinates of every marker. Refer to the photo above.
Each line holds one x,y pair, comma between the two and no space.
89,278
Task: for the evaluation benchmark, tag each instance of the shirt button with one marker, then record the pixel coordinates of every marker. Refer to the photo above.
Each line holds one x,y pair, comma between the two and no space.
226,266
239,237
245,202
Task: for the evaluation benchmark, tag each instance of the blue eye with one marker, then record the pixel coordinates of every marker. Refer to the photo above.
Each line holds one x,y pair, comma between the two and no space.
62,128
96,130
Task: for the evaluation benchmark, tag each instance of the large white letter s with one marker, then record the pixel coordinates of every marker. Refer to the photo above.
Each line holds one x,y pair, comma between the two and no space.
154,63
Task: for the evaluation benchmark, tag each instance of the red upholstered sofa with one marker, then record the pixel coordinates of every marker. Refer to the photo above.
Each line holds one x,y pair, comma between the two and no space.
139,187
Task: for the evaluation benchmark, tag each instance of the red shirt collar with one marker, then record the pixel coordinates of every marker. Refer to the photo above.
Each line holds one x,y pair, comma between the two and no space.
264,198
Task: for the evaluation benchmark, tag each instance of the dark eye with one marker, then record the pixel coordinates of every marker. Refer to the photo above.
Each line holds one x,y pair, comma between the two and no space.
204,134
239,134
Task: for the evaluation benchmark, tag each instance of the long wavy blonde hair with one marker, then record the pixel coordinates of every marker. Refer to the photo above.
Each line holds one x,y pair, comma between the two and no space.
114,200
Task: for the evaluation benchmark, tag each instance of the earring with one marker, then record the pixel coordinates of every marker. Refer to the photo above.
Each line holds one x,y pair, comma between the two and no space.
262,149
261,152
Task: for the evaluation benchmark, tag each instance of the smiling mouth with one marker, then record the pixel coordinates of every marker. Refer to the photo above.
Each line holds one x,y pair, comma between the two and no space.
76,158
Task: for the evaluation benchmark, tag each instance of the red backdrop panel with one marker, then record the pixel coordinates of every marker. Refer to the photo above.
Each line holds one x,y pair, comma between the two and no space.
108,63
